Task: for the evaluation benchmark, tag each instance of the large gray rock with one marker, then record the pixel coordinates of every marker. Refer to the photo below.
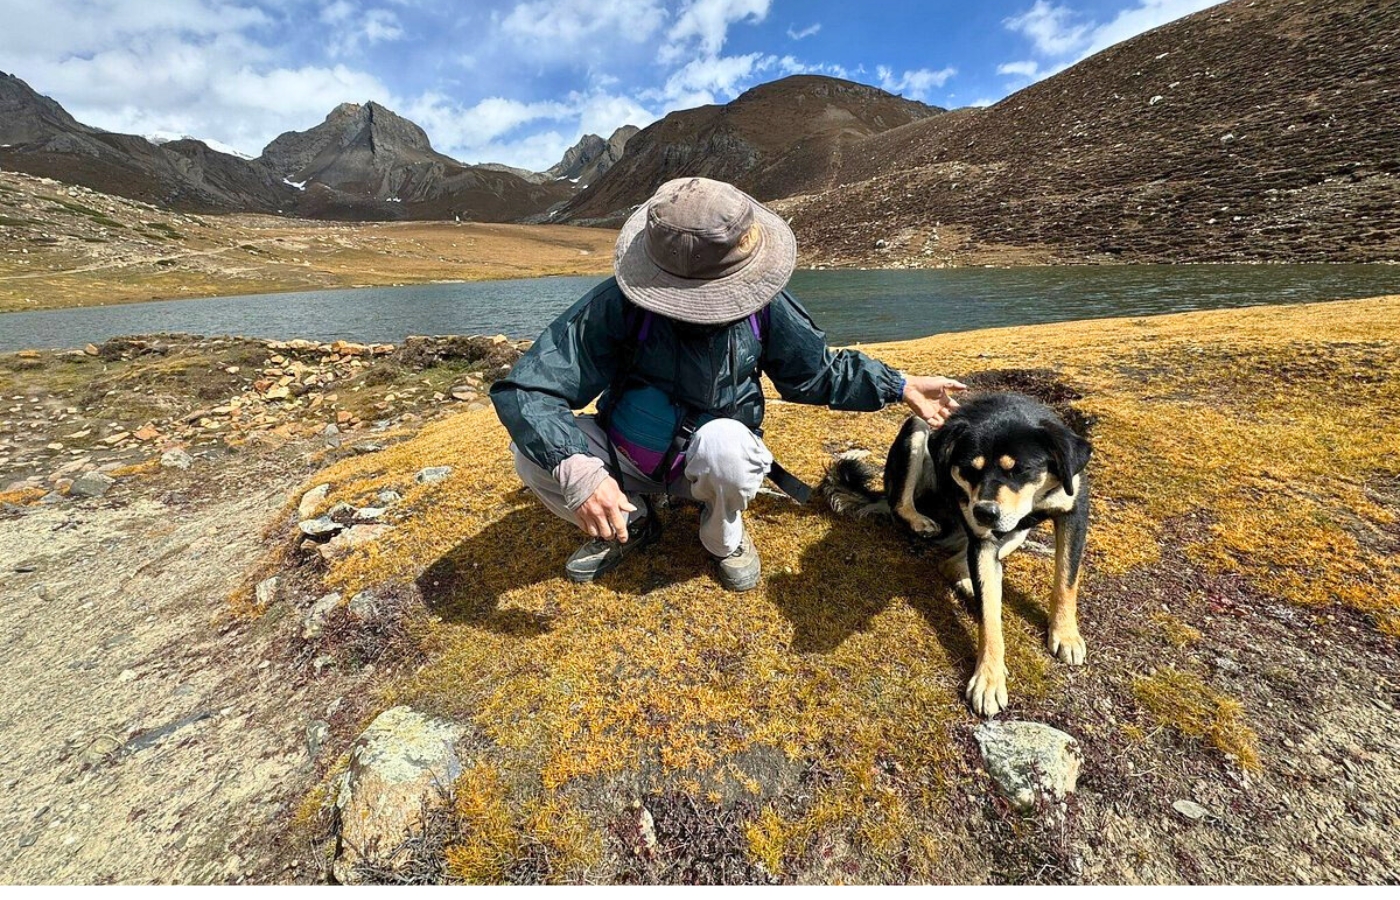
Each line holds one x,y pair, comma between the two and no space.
312,500
1031,763
402,761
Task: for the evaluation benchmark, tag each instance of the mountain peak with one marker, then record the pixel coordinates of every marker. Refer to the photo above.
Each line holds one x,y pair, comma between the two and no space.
591,157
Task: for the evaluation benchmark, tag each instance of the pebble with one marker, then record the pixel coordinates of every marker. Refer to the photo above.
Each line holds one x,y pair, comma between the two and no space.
389,498
433,474
266,592
1190,810
370,513
43,593
126,675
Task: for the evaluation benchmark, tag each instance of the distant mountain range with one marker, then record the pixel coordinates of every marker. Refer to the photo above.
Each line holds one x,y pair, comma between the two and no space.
1253,130
363,162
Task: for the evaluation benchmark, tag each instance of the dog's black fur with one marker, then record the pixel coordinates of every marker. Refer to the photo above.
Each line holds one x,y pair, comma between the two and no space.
1002,464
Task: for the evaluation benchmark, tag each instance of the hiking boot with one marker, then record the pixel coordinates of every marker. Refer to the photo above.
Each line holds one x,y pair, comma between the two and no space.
599,556
739,570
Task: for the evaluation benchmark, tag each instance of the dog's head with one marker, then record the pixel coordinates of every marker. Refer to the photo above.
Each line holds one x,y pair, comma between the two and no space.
1003,468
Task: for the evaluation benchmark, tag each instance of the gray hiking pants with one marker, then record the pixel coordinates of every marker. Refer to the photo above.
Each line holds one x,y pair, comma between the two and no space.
724,467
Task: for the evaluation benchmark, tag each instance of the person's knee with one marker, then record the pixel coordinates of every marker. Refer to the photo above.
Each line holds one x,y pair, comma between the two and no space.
528,471
726,450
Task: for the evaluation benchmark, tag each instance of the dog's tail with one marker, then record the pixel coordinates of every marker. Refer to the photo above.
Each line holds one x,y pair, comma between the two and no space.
849,486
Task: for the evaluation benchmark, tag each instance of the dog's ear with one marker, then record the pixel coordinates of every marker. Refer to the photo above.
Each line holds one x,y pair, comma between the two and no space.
946,440
1069,451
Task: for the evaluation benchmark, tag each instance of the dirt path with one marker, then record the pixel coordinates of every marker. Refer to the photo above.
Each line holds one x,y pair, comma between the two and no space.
145,734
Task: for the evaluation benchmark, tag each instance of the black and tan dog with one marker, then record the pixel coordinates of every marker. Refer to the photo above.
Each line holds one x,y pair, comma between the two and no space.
1001,465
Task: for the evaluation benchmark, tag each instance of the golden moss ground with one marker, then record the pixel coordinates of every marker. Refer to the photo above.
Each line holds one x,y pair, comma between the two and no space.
1260,442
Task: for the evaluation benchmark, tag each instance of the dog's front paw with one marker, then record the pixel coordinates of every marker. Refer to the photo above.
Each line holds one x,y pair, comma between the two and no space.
964,588
987,690
923,526
1067,646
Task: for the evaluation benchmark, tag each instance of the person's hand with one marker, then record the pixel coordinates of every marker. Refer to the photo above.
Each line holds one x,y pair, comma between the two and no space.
931,397
604,513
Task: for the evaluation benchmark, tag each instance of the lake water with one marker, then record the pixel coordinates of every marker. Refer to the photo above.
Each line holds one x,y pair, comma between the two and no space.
869,305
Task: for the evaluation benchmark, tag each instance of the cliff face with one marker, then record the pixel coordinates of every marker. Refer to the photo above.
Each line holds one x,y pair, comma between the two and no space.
1254,130
778,139
41,138
592,157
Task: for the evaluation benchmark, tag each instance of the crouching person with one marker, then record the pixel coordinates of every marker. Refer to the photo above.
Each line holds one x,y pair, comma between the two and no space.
672,347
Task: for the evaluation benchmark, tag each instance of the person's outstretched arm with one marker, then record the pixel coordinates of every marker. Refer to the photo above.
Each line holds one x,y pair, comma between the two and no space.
805,370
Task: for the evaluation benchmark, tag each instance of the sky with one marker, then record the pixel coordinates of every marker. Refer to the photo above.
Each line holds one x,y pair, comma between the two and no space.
519,81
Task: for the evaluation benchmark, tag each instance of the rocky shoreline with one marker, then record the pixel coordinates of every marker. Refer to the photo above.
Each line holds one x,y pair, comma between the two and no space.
75,420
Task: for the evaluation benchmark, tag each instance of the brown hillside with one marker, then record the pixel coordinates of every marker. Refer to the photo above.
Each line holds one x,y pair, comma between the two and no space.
1255,130
775,140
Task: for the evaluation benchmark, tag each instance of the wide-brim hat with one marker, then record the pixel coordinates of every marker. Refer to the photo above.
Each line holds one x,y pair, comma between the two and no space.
704,252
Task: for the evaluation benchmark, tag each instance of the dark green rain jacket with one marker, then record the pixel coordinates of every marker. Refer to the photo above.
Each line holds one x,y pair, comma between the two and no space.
712,370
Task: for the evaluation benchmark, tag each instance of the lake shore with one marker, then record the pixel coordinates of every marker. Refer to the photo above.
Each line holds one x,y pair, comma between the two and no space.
65,247
1239,606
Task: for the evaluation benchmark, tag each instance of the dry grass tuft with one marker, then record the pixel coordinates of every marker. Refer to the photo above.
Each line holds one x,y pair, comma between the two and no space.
1182,701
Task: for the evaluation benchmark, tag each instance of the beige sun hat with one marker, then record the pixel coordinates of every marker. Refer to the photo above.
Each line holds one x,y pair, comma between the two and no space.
704,252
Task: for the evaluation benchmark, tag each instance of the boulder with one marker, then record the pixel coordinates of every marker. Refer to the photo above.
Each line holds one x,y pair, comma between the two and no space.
93,484
1031,763
350,538
319,528
403,761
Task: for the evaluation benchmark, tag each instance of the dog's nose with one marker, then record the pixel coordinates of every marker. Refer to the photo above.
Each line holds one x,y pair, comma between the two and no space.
987,513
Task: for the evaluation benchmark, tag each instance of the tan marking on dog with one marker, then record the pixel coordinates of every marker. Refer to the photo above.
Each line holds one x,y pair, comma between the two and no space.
987,688
1007,462
1019,503
1064,640
979,463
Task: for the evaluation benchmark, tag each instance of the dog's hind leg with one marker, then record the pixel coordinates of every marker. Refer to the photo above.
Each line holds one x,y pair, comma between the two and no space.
903,472
1064,640
987,689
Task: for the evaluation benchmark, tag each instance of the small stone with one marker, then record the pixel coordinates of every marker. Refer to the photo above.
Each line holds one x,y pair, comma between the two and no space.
350,538
367,448
278,392
312,500
126,675
363,606
265,593
43,593
147,433
114,439
322,526
176,459
343,417
316,734
93,484
402,762
1029,761
464,393
1193,811
315,621
433,474
388,498
370,514
91,350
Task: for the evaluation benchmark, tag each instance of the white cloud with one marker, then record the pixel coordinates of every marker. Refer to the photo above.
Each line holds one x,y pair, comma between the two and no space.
703,26
1062,36
565,30
981,102
807,32
916,84
1025,68
353,29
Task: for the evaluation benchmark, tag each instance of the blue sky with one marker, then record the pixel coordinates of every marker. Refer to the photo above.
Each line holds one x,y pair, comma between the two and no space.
518,81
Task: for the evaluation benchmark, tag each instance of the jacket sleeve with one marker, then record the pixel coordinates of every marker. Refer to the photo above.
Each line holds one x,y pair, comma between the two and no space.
568,367
805,370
